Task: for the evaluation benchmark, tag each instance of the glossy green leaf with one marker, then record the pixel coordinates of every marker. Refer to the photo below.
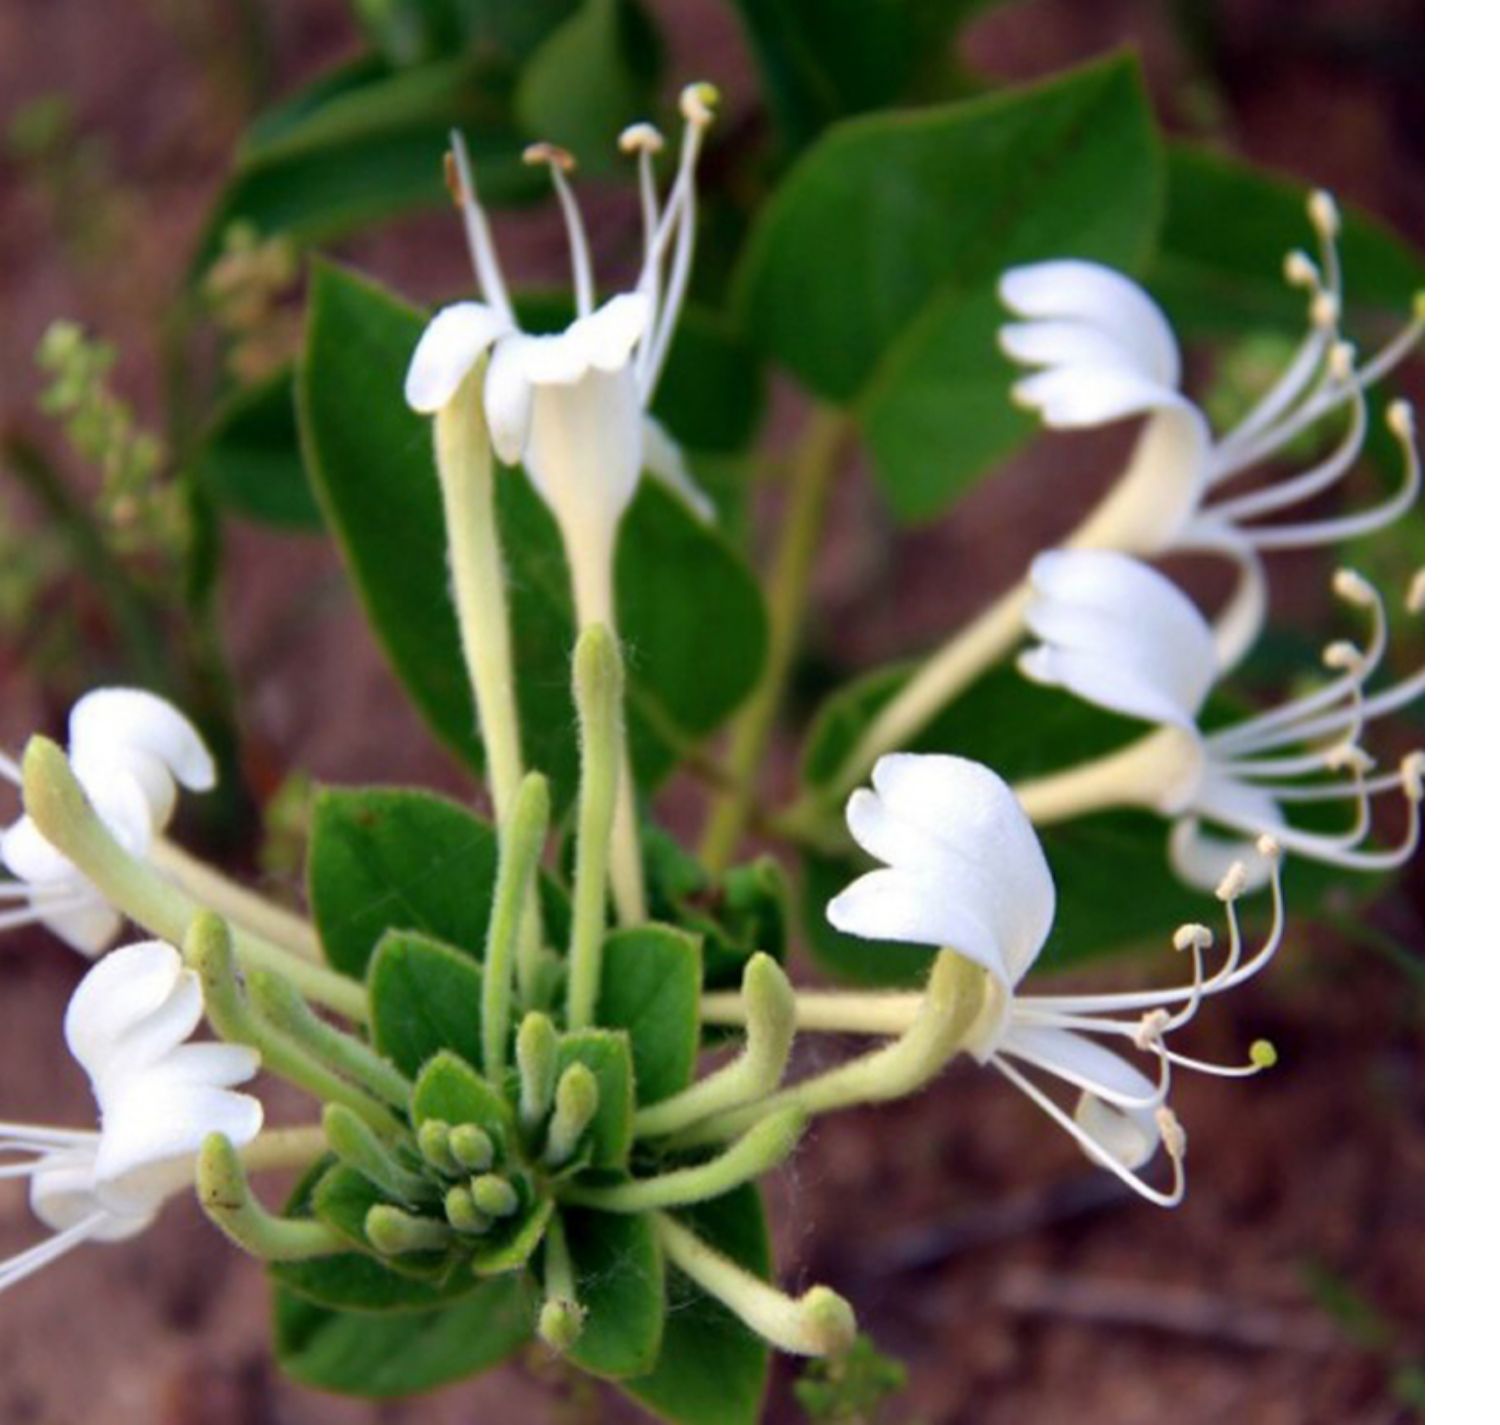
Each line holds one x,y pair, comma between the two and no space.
519,1239
617,1265
250,461
355,1353
381,858
593,75
649,989
424,997
1220,277
607,1053
712,1370
823,60
367,143
371,462
871,275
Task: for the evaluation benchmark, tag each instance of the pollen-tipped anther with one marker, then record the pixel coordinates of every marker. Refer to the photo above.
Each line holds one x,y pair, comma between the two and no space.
1173,1134
1263,1054
1341,359
551,154
1232,887
1342,655
1152,1027
1299,270
1268,847
453,179
1401,420
1324,311
641,138
1414,775
1354,588
1323,213
698,103
1416,593
1192,937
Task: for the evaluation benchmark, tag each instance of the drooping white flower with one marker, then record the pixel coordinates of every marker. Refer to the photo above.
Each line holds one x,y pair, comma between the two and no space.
1119,634
159,1097
964,870
572,406
130,750
1105,352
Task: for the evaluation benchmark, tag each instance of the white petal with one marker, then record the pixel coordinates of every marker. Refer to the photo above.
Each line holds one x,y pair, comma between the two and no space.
453,341
1080,397
123,989
1202,860
507,397
585,453
1130,1136
1070,289
109,719
601,341
87,926
64,1196
149,1145
920,908
663,458
153,1039
1104,681
29,856
1079,1061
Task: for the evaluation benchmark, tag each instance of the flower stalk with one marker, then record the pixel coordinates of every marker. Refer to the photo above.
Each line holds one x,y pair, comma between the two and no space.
225,1194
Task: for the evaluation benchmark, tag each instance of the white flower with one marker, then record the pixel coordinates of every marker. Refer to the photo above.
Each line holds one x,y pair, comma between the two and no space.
159,1097
572,406
1105,352
130,750
1122,636
965,871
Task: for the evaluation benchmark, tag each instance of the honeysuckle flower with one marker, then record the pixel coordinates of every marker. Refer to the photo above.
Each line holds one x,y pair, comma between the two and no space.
964,870
571,407
159,1097
1103,352
1119,634
131,750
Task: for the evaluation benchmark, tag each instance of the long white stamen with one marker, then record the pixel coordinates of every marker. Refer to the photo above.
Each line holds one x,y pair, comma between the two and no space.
1300,536
1091,1145
477,230
10,769
560,163
31,914
1311,482
645,141
679,225
18,1268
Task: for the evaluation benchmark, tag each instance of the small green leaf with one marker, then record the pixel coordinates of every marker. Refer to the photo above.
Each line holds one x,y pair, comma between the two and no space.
449,1090
607,1053
424,997
649,989
381,857
355,1353
871,275
522,1239
712,1369
250,460
618,1267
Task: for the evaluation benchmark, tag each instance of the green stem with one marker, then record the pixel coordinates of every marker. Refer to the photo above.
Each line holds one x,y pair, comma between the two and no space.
57,803
279,1148
525,836
597,688
226,1196
816,465
466,477
827,1011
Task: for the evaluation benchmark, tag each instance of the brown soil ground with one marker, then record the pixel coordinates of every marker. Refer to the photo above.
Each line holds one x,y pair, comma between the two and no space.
1016,1284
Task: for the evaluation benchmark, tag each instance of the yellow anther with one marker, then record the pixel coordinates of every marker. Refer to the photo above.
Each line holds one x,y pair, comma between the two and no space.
1193,937
1232,887
1323,212
698,103
1263,1054
641,138
549,153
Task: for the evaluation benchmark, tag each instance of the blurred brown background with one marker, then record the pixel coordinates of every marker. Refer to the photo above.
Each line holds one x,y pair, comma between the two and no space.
1017,1285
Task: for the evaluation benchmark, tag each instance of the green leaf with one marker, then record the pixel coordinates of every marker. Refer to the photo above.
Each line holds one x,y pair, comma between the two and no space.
355,1353
607,1053
367,143
449,1090
617,1264
649,989
371,462
822,60
594,75
524,1237
712,1369
412,30
1218,277
382,858
871,275
250,461
424,997
745,912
